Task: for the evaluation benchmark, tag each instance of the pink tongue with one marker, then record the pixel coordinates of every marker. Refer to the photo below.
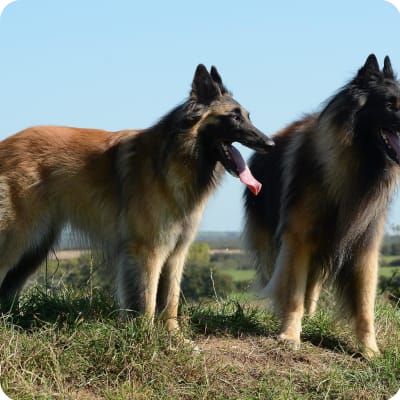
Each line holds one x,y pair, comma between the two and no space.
245,174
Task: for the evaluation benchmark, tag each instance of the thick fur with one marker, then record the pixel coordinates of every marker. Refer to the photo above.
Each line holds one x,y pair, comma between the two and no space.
326,189
137,195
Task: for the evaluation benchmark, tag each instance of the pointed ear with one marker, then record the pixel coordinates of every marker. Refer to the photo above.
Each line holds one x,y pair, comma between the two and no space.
369,72
204,89
370,68
216,77
371,65
387,69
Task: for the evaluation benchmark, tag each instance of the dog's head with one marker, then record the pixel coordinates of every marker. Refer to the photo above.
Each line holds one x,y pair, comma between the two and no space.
224,121
377,122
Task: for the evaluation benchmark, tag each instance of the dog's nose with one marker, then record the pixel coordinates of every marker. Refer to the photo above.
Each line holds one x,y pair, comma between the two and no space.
269,142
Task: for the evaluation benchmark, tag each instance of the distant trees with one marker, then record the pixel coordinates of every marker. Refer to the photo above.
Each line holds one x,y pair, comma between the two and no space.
391,248
391,243
202,278
391,286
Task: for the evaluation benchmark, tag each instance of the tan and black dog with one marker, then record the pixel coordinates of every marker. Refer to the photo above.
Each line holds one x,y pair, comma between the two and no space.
138,195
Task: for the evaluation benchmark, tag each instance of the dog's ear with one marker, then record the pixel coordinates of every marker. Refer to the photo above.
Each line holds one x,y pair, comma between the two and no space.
216,77
371,65
370,71
204,88
387,69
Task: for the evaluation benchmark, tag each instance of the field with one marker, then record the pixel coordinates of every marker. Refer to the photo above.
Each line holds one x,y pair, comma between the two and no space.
74,346
64,343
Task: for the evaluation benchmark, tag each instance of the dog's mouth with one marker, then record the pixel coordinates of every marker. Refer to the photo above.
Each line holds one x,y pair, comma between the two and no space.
235,164
391,140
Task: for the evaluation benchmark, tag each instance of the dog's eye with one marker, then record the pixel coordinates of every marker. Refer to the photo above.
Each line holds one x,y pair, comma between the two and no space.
237,117
391,105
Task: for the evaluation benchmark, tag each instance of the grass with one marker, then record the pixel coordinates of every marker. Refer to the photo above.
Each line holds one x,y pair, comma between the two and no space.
240,275
73,345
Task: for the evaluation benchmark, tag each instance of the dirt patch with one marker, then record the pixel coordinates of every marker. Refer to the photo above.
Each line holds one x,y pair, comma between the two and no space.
239,366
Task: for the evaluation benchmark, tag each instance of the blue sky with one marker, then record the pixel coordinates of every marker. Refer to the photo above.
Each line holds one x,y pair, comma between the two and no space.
123,64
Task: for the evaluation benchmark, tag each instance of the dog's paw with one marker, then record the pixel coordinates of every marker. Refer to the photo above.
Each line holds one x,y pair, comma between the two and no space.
370,353
289,342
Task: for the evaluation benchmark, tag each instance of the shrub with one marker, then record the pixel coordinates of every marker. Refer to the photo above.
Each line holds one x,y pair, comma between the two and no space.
202,281
391,286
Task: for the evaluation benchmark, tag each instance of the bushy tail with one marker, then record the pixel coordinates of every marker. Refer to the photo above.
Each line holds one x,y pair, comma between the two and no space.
262,249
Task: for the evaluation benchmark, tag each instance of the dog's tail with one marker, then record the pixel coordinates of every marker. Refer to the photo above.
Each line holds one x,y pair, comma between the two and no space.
261,247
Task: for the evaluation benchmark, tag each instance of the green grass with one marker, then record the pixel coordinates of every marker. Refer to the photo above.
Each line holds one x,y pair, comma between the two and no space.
73,345
248,275
240,275
388,271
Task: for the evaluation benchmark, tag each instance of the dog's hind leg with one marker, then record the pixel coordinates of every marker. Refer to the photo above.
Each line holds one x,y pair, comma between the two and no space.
27,263
288,286
11,252
314,287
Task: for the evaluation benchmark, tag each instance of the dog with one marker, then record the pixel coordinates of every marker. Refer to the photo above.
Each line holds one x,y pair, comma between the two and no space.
320,217
138,195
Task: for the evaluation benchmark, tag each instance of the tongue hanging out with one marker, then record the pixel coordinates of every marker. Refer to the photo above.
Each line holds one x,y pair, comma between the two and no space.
238,167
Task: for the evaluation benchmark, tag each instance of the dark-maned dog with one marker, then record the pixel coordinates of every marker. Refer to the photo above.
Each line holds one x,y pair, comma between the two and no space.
137,195
321,213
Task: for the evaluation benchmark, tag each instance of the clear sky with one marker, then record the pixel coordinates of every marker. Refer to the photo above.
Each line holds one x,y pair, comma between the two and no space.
123,63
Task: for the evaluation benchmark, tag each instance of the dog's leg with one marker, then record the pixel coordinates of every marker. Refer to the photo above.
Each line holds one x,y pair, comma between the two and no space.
288,286
27,264
314,287
357,290
357,285
19,261
137,280
365,293
361,293
170,287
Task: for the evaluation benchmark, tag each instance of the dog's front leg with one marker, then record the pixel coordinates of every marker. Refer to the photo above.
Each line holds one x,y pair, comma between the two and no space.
139,271
170,287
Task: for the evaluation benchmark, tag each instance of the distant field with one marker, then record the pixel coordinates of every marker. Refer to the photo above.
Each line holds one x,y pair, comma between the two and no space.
240,275
249,275
66,254
389,260
388,271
